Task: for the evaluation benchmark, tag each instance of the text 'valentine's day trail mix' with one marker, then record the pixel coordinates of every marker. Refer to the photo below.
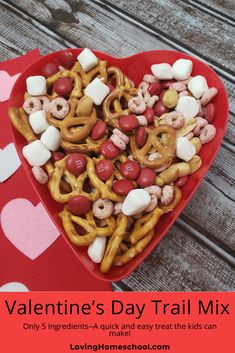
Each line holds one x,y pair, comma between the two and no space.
115,155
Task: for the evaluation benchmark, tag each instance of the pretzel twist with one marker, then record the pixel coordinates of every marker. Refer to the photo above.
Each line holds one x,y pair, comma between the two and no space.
100,71
165,146
114,243
20,121
144,225
115,100
88,224
76,184
87,146
74,129
77,89
129,253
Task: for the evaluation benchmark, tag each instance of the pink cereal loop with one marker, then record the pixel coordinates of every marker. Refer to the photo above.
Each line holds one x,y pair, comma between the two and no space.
137,105
44,100
144,95
118,142
178,86
32,105
117,209
149,78
102,208
55,104
209,95
207,133
201,122
152,205
154,190
40,175
143,86
152,100
167,195
142,120
124,137
174,119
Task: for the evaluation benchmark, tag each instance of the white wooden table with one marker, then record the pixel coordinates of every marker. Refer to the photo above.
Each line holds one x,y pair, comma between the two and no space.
198,253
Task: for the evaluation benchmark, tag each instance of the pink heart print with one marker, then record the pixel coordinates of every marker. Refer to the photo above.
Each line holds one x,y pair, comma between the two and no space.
9,162
28,227
6,84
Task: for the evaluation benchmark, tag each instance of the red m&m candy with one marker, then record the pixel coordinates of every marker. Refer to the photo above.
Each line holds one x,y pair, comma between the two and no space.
146,178
66,59
123,187
98,130
141,136
76,163
130,169
155,88
63,86
104,169
50,69
79,205
160,109
149,115
109,150
128,122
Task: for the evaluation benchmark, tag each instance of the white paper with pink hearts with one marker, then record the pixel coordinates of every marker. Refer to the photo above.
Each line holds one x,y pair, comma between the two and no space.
29,228
6,84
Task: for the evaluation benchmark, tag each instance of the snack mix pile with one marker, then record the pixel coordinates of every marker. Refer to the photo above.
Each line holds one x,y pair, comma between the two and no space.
116,156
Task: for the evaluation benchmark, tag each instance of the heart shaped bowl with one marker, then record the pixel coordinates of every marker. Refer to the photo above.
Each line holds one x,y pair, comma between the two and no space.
134,67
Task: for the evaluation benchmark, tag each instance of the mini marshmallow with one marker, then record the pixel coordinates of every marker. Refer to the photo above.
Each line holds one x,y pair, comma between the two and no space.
87,59
96,249
36,153
198,86
97,90
36,85
38,121
188,107
135,202
185,150
51,138
162,71
182,69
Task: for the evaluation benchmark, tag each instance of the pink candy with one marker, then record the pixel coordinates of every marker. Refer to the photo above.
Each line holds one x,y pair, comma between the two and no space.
200,124
167,195
119,139
178,86
40,175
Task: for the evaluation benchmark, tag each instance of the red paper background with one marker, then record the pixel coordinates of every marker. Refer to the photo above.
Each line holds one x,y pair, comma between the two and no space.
57,268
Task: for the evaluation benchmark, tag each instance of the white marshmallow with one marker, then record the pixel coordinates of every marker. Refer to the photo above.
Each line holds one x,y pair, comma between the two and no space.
185,150
188,107
198,86
182,69
97,90
135,202
38,121
36,153
162,71
36,85
87,59
96,249
51,138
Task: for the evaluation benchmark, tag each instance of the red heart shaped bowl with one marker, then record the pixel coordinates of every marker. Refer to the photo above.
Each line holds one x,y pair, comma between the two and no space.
134,67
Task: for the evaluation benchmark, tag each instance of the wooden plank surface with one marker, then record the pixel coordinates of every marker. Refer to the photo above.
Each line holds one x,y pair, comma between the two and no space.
180,264
223,8
59,24
187,25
